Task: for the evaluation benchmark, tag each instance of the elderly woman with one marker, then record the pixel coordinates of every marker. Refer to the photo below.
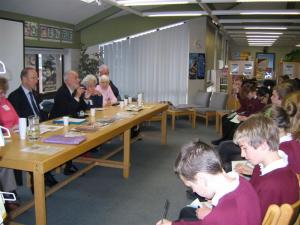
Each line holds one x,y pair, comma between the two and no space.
9,119
93,96
8,116
104,88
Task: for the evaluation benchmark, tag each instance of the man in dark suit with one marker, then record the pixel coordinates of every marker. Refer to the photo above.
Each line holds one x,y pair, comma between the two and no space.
69,101
26,102
104,70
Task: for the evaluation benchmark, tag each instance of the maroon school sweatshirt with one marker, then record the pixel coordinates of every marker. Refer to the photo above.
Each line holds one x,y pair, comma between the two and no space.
292,149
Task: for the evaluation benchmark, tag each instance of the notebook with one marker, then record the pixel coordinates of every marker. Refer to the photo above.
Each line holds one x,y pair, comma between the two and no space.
63,139
71,121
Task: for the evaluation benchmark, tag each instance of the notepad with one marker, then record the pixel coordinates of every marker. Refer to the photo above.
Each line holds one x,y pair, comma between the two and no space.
63,139
71,121
197,204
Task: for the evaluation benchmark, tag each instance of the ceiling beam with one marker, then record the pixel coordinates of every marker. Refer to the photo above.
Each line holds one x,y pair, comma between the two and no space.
235,1
284,12
259,20
126,8
242,28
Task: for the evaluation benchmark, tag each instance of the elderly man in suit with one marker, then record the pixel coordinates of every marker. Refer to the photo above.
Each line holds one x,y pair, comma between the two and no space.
69,100
26,101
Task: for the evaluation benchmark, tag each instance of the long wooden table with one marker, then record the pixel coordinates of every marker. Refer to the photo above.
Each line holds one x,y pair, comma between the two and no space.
39,164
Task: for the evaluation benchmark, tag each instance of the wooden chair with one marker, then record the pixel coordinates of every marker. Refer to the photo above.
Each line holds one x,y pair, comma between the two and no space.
272,215
289,214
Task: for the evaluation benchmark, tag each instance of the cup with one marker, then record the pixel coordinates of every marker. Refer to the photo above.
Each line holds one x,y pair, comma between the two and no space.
129,100
121,104
22,128
140,100
34,128
93,112
125,102
66,120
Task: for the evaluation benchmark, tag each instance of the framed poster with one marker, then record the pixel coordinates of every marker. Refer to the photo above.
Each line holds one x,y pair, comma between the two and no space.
31,30
265,65
196,66
31,60
50,71
49,33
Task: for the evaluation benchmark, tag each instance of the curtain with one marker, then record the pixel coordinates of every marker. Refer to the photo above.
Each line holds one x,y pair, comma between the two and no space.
155,64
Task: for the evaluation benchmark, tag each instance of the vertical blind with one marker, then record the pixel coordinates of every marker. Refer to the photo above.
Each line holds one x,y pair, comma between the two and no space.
155,64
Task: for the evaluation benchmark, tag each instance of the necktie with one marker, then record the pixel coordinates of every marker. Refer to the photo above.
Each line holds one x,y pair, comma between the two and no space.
35,108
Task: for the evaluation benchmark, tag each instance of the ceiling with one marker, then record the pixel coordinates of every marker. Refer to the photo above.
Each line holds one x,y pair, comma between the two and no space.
227,15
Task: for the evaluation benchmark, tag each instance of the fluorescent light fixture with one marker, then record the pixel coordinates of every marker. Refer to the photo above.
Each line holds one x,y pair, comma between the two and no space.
2,68
87,1
265,28
262,36
271,33
153,2
178,13
261,39
271,12
298,45
265,1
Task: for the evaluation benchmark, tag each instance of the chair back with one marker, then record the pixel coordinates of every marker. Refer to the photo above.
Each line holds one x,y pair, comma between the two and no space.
286,213
296,213
202,98
218,100
272,215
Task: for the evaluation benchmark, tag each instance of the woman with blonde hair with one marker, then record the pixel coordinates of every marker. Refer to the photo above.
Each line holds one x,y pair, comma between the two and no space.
92,96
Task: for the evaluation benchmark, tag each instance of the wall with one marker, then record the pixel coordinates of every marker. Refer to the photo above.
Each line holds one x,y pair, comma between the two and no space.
197,29
44,44
280,52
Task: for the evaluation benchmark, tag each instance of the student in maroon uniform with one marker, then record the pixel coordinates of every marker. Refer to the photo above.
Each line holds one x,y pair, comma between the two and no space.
234,200
272,178
292,147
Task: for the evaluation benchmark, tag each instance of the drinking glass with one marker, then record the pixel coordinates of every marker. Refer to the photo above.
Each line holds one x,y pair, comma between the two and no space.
34,128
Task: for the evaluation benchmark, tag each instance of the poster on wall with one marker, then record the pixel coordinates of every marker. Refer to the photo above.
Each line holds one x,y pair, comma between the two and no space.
265,63
49,70
196,66
31,60
66,35
288,69
31,30
234,69
49,33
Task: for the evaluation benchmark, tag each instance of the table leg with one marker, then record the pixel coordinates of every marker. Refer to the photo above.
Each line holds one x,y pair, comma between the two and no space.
193,119
164,127
217,122
126,162
39,197
173,121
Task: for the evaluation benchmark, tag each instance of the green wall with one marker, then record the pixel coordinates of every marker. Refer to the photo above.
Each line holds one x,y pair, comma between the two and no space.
44,44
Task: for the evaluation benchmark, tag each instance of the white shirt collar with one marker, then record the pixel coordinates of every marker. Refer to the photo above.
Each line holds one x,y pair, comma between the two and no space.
287,137
26,91
281,163
226,189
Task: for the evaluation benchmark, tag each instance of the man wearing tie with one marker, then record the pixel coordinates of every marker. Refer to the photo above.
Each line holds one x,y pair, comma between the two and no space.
26,101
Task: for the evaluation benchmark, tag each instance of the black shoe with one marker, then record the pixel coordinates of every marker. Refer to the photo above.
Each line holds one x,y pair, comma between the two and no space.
218,141
70,169
50,180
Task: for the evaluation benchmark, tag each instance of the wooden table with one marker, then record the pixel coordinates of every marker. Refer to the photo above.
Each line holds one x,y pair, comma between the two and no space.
176,112
39,164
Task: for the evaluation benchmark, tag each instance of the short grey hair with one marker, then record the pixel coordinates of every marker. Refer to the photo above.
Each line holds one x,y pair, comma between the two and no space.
103,67
103,78
66,74
88,79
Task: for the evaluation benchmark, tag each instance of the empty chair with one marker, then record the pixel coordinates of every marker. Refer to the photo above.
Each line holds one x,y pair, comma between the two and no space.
272,215
200,100
218,102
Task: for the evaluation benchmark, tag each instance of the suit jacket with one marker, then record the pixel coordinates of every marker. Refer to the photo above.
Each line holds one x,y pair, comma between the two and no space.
114,89
22,106
65,104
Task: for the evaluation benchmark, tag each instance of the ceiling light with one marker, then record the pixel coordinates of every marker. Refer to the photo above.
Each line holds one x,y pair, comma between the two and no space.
153,2
261,36
260,39
88,1
179,13
271,12
265,28
265,1
298,45
271,33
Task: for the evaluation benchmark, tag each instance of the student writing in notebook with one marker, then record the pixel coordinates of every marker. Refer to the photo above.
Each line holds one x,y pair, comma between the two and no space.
234,200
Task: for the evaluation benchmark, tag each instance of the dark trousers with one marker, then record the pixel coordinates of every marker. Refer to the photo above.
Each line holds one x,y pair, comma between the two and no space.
228,128
188,213
228,152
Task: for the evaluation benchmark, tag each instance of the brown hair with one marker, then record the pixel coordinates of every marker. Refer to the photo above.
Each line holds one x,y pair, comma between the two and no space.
257,129
197,157
284,89
247,87
292,106
279,115
3,84
25,71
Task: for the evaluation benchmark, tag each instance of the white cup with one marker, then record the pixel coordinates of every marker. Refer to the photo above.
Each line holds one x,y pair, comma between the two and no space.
93,112
121,104
125,102
129,100
66,120
22,128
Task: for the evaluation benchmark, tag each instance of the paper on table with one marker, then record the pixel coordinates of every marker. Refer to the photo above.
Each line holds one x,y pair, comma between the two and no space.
235,119
71,121
197,204
42,149
47,128
243,162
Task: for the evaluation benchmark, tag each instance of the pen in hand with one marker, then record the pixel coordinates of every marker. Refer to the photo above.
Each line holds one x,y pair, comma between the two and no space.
166,208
